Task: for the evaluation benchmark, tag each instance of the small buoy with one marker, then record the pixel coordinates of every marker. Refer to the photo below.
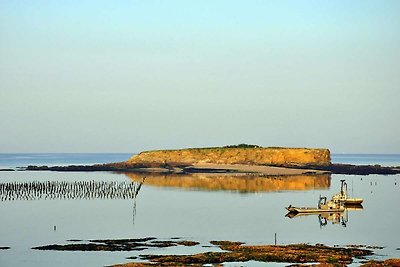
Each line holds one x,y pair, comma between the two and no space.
55,228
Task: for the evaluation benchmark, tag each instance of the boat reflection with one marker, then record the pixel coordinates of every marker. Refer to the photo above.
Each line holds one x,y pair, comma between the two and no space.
341,218
244,183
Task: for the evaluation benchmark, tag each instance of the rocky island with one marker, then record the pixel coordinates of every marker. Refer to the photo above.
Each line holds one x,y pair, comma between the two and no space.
243,158
240,154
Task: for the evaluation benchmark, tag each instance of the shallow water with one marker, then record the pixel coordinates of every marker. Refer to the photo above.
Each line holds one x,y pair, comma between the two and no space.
247,209
367,159
10,160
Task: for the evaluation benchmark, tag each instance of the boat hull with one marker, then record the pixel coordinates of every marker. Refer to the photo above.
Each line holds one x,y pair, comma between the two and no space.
314,210
353,201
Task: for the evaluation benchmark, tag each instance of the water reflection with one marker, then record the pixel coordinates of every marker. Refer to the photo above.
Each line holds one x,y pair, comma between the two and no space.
69,190
135,197
341,218
245,183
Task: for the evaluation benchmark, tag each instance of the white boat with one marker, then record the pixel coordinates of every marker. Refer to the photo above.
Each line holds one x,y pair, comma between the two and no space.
323,207
338,203
342,196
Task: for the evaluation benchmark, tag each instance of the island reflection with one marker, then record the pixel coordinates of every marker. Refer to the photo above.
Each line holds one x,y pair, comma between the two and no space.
245,183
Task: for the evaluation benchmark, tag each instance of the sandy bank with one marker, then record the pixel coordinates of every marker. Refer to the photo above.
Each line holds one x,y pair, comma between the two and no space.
265,170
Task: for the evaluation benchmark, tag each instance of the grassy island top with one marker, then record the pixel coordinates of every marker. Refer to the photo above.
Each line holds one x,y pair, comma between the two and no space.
241,146
237,154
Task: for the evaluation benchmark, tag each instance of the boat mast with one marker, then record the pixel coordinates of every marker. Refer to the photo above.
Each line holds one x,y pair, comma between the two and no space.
343,192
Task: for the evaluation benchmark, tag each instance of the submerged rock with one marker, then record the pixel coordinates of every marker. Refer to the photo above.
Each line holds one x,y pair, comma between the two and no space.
356,169
236,251
386,263
117,245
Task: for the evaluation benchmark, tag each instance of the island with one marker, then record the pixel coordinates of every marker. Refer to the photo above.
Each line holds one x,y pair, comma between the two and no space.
242,158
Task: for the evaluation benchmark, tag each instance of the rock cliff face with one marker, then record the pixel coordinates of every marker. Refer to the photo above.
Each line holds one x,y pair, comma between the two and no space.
251,156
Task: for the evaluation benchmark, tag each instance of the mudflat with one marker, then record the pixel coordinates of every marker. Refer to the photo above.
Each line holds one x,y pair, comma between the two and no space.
266,170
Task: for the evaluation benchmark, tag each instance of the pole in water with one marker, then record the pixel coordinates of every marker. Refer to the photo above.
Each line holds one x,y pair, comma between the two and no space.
55,228
275,239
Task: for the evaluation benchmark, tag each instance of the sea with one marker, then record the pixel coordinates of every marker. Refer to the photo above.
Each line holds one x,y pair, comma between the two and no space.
39,208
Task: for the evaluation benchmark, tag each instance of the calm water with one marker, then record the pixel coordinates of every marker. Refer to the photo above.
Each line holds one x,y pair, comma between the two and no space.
367,159
205,208
8,160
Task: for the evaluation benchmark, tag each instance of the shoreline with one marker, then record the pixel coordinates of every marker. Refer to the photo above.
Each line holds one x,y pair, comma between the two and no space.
266,170
229,251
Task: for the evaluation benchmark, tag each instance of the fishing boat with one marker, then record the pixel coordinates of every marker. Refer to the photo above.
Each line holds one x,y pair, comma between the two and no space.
323,206
342,196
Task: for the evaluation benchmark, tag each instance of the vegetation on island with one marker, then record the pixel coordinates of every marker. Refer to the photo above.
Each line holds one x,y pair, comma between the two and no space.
242,146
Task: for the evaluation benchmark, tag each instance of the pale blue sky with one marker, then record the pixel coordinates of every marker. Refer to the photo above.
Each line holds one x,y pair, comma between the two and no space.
126,76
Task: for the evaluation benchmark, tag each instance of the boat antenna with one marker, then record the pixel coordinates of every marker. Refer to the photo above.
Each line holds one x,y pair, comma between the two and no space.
342,186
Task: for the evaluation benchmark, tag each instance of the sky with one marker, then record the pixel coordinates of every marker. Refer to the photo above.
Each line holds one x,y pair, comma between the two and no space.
127,76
